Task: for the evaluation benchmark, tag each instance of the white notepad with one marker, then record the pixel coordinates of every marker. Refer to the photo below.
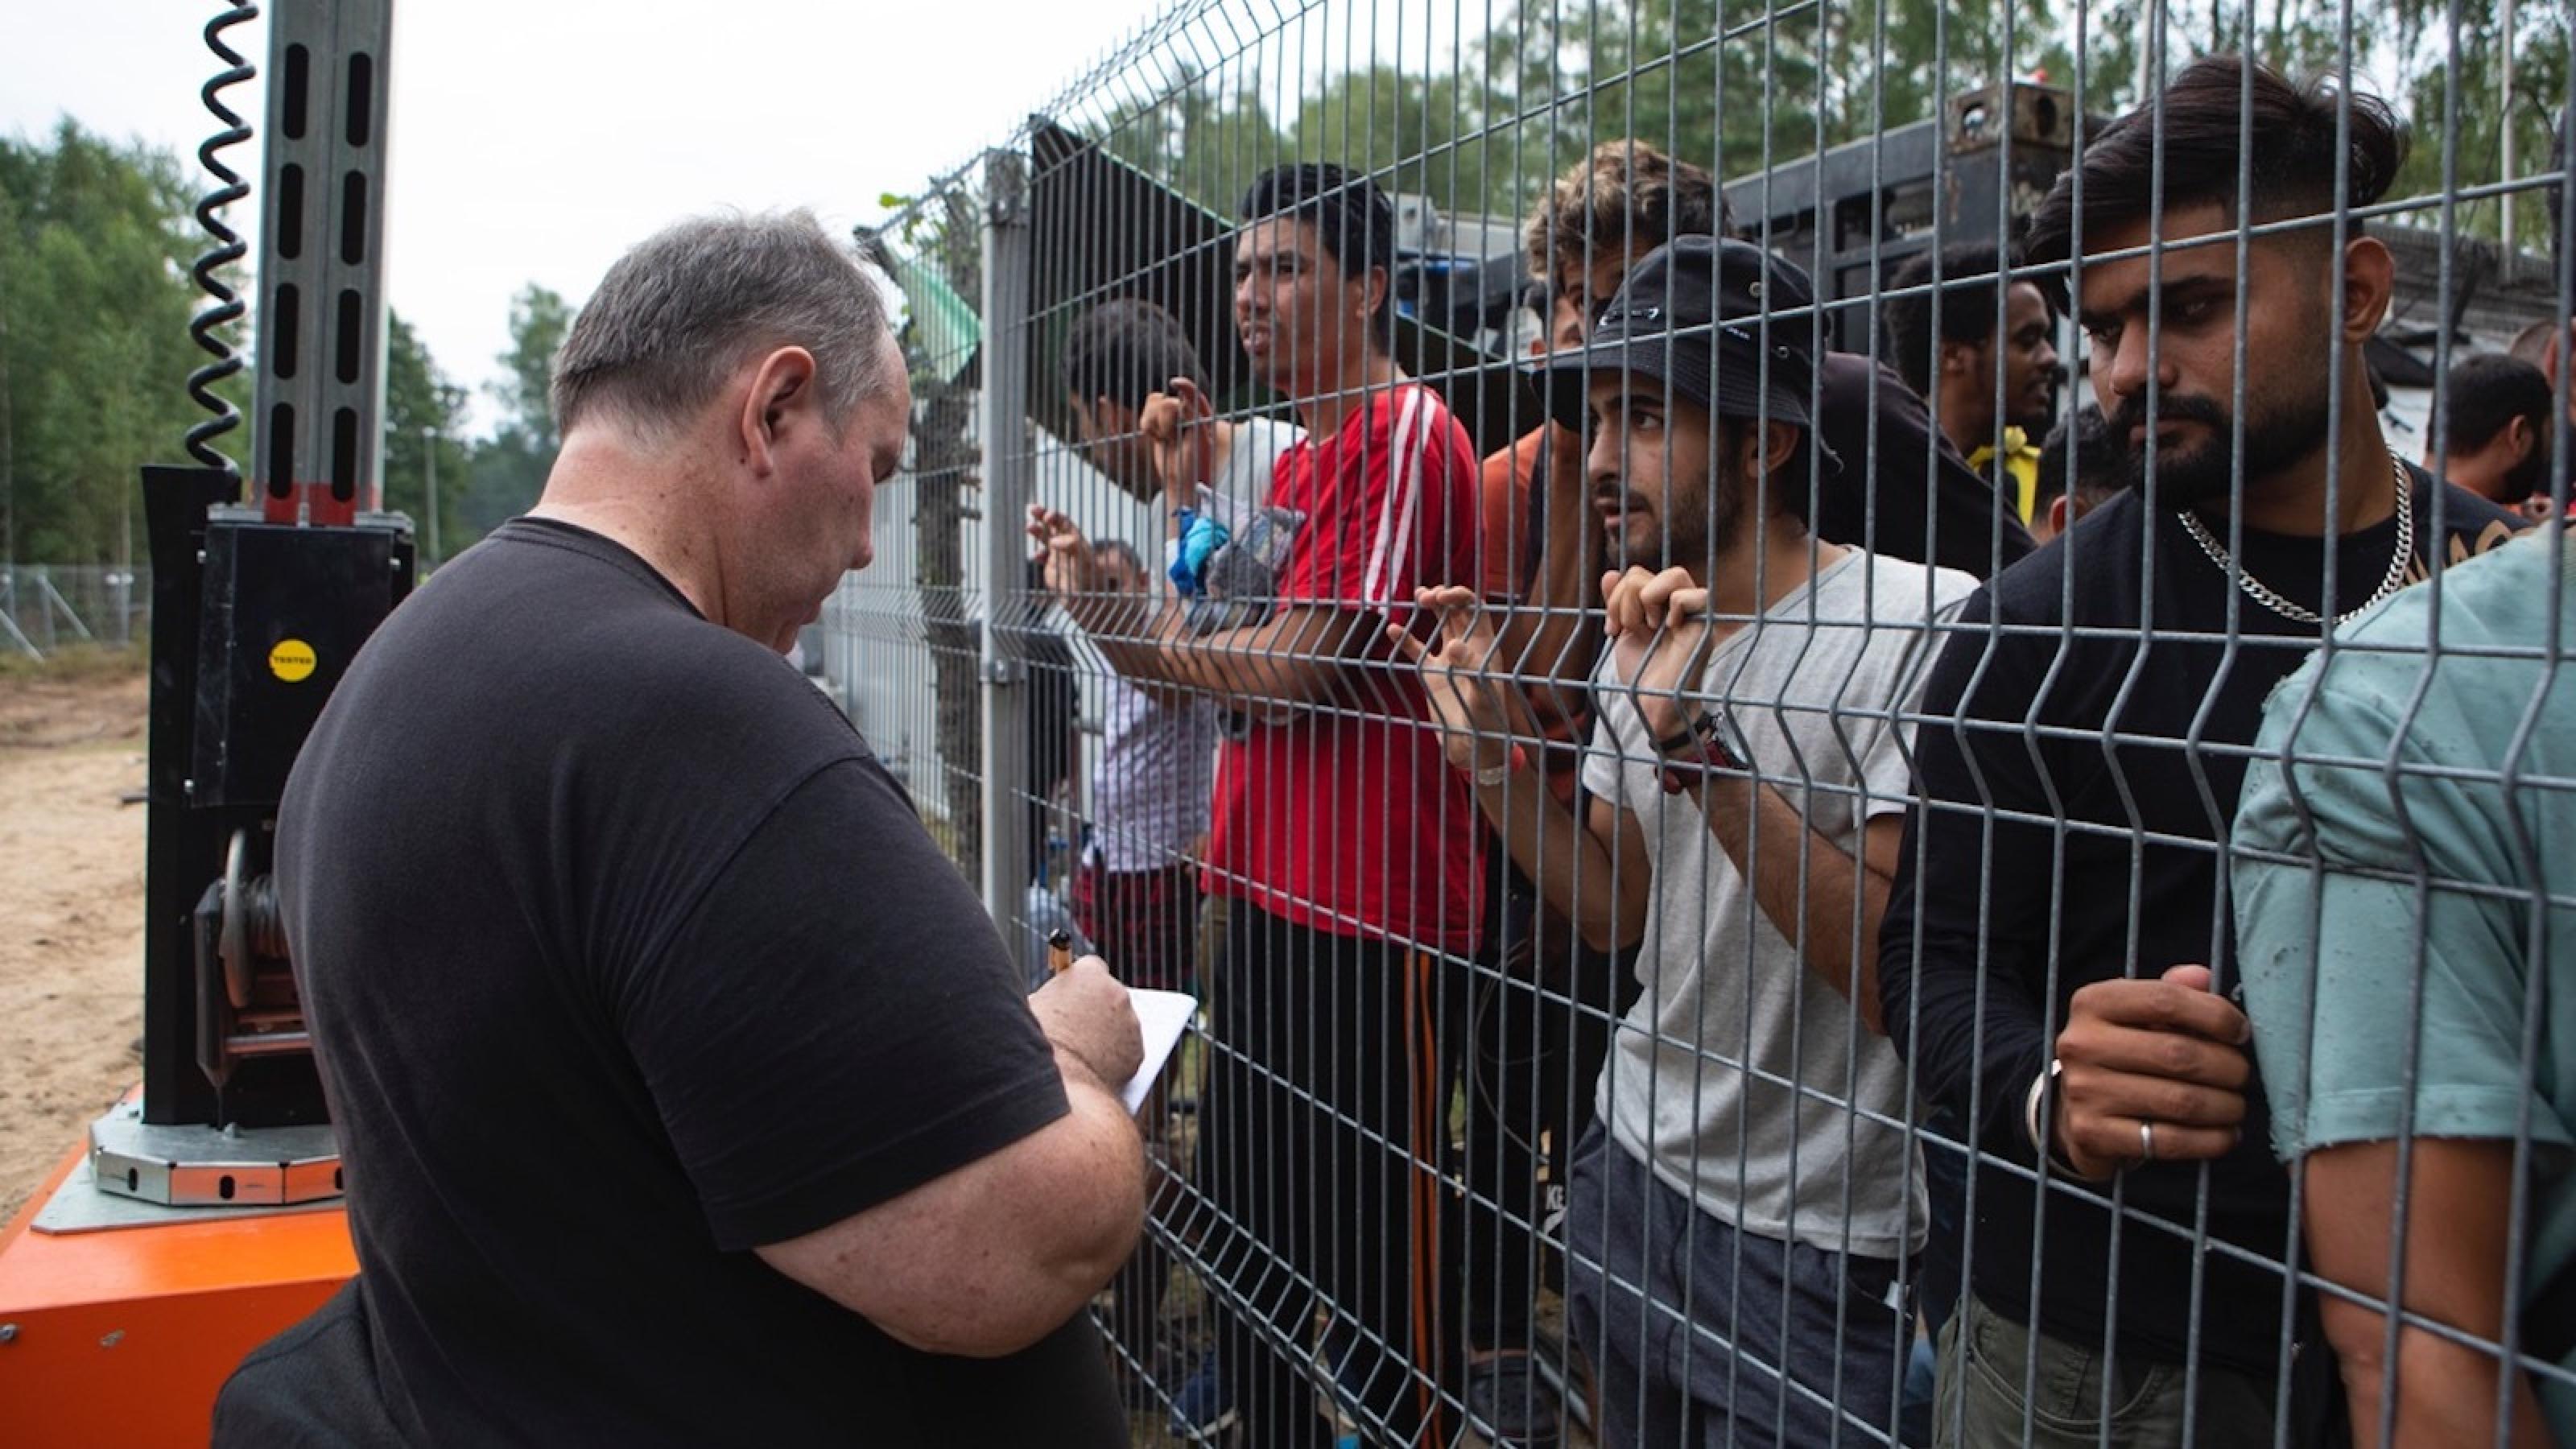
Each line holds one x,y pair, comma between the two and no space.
1163,1017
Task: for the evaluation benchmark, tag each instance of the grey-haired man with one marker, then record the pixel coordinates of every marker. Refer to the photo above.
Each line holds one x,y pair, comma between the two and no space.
642,998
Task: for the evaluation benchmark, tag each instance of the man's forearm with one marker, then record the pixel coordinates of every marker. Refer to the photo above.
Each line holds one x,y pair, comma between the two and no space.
1573,867
1268,663
1546,640
1093,1209
2455,1274
1806,885
993,1256
1091,1251
2446,1391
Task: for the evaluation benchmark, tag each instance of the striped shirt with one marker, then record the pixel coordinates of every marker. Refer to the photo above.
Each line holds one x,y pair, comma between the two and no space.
1157,769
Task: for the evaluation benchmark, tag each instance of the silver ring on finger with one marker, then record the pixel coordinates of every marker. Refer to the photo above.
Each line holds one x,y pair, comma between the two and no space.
2146,1141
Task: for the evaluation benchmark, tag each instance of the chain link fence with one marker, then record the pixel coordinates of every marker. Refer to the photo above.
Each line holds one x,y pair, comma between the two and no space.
1801,688
44,607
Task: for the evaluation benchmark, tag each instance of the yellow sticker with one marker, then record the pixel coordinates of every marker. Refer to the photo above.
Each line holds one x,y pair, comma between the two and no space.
291,660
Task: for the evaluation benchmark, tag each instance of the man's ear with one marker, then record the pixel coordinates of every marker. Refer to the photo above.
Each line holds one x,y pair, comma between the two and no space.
2519,439
782,389
2058,508
1961,359
1374,286
2369,283
1778,443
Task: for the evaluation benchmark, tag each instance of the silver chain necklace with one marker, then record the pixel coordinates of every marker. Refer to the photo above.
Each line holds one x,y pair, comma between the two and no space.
2271,598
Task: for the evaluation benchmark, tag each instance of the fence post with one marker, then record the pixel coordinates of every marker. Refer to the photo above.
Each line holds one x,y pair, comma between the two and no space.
1006,492
9,614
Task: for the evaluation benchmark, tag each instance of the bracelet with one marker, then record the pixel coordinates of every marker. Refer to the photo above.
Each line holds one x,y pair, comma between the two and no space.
1700,750
1489,776
2030,1105
2039,1116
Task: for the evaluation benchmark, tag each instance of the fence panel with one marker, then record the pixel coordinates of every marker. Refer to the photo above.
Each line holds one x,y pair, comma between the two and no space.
46,606
1801,688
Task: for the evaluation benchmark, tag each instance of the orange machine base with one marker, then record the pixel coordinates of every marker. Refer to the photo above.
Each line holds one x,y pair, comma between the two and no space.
122,1336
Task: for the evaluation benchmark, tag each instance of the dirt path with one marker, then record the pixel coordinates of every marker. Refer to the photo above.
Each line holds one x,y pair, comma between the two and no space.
71,912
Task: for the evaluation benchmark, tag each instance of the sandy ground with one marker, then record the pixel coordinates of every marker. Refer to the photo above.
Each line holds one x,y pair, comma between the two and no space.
71,911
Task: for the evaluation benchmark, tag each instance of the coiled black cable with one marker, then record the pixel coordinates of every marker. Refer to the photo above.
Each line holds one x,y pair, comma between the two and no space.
229,248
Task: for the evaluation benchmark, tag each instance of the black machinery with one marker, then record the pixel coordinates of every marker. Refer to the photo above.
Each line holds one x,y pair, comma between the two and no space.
259,603
1974,172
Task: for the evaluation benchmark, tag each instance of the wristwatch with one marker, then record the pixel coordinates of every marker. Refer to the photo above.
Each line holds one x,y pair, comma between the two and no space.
1703,747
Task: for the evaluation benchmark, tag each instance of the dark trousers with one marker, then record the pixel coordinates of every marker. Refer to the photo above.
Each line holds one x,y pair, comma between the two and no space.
1531,1021
1324,1117
1706,1337
1144,923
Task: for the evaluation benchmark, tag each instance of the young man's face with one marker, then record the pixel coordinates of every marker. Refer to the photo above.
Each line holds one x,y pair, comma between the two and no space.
1651,465
2288,328
1293,307
2030,360
1119,572
1111,438
1584,287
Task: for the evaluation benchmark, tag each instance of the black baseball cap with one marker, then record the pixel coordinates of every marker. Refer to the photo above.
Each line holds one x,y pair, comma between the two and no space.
1689,314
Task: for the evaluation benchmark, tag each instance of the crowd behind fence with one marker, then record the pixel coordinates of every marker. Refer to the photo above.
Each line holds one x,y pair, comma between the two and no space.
1856,724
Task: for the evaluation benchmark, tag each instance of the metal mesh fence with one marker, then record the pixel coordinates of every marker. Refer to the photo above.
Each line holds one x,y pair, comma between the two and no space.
44,607
1853,719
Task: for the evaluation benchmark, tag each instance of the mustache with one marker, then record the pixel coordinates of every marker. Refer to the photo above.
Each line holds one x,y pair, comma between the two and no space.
2170,408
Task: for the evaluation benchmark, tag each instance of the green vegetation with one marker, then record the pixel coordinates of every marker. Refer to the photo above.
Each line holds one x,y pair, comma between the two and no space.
96,239
1743,84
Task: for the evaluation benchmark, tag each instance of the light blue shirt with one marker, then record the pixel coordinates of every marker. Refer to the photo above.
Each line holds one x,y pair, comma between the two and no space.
2397,832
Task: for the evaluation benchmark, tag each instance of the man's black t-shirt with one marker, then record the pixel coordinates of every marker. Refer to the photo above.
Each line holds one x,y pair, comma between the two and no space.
2064,711
624,956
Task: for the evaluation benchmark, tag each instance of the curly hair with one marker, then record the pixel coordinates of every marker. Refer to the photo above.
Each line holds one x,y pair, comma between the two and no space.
1625,195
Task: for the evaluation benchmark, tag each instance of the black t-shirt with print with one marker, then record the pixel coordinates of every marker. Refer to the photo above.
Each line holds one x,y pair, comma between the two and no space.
623,956
2065,706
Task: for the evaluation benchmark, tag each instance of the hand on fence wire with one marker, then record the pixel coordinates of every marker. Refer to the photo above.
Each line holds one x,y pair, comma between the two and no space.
1662,633
1175,424
1085,1011
1456,669
1072,569
2167,1056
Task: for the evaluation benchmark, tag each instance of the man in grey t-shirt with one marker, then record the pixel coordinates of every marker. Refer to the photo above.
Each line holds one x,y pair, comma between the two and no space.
1738,1220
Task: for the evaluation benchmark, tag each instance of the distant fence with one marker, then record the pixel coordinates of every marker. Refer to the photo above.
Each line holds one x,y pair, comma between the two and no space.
45,607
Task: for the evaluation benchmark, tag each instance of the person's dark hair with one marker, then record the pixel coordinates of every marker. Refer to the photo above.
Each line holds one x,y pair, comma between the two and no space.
2101,461
1353,219
2208,126
1125,351
2485,392
1968,272
1119,549
1626,195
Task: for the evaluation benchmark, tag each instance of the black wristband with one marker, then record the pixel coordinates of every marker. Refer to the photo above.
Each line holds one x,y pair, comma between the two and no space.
1701,750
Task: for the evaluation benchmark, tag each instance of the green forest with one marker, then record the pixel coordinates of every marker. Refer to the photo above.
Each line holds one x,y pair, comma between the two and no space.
96,235
96,238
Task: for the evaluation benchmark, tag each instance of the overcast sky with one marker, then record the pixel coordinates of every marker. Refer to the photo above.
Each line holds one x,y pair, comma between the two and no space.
534,140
